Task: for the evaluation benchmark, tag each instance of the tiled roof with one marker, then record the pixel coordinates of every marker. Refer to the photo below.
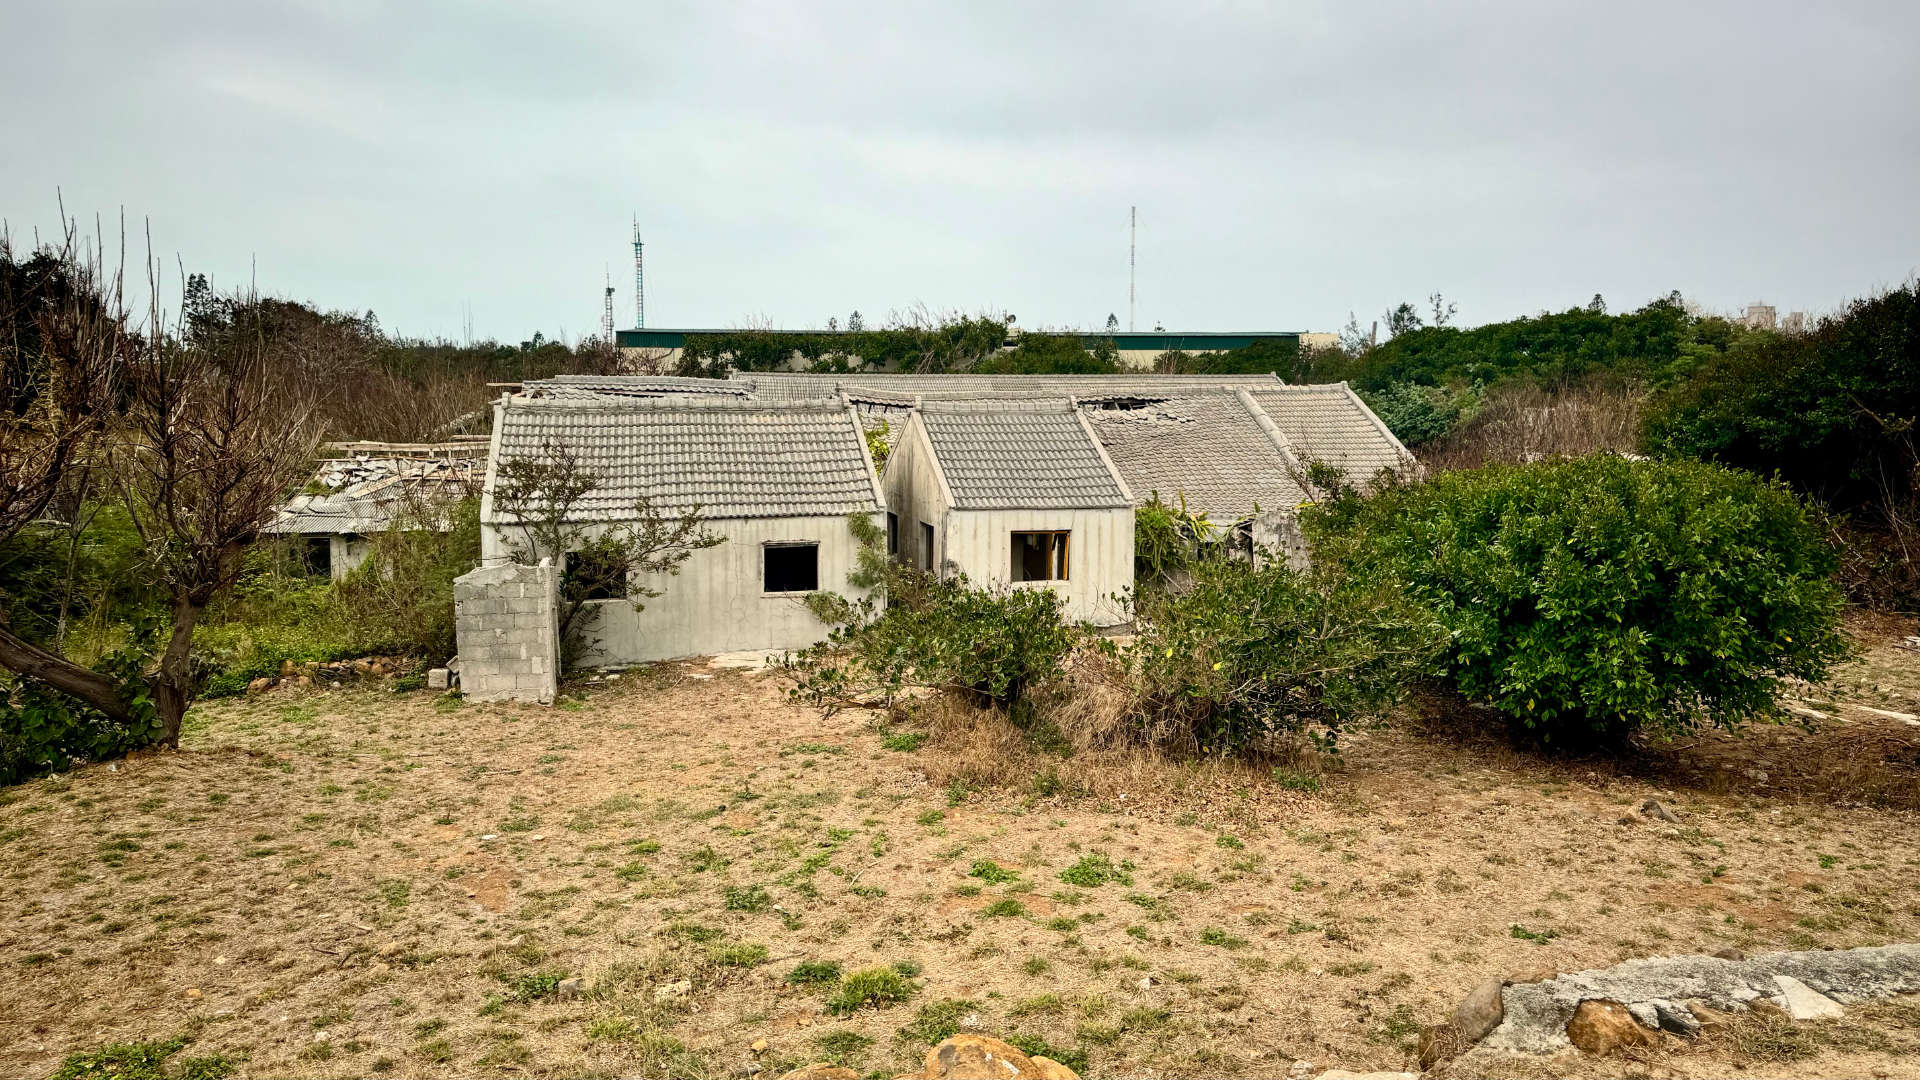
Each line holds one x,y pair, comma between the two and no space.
731,459
641,386
1208,448
1326,422
791,386
1001,453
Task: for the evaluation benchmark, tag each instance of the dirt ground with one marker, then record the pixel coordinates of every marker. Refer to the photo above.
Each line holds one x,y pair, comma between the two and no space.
368,883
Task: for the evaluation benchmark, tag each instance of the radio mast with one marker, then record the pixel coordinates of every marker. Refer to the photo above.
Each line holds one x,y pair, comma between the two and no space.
639,278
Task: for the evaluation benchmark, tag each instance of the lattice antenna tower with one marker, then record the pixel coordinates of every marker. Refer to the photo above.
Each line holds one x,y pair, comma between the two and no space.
639,278
606,316
1133,226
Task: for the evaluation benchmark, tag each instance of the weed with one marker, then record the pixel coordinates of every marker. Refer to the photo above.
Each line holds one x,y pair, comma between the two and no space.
1037,965
841,1047
1033,1045
704,858
1004,908
904,741
1094,870
532,986
1213,935
751,898
814,973
878,986
142,1061
991,872
1538,937
937,1021
1228,841
737,955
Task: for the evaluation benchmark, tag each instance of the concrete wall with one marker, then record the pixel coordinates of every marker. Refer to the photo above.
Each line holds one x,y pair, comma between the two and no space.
979,543
346,551
506,618
717,602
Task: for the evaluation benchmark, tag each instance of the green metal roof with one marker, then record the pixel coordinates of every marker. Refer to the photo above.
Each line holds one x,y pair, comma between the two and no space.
1158,341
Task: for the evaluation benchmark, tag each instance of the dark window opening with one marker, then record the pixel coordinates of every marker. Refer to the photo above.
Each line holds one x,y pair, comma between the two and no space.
316,555
792,567
926,546
1040,556
595,575
893,533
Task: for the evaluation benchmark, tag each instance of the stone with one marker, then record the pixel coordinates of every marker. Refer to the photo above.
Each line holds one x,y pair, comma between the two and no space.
982,1057
1673,1018
1343,1074
571,989
759,1046
1728,952
1806,1003
1652,808
1606,1027
259,686
437,678
1480,1012
1300,1070
303,681
673,990
193,993
821,1070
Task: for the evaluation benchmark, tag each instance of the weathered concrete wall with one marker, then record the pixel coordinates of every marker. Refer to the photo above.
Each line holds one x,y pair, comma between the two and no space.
718,601
507,621
346,551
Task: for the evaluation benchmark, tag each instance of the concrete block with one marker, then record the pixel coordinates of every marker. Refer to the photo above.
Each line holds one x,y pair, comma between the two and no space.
438,678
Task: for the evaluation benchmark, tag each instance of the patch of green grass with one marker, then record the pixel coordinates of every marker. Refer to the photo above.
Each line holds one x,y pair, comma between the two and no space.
870,987
1071,1056
532,986
1228,841
1005,908
1538,937
749,898
704,858
1094,870
992,872
814,973
142,1061
1036,965
694,932
737,955
937,1021
842,1047
1213,935
813,748
904,741
1292,780
932,817
396,892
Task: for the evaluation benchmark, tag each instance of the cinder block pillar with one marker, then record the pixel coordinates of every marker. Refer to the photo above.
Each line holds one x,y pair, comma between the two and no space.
507,620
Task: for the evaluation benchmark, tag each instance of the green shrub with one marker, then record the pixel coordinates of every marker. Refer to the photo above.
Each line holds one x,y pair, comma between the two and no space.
990,647
43,731
1094,870
1416,414
1244,653
1592,598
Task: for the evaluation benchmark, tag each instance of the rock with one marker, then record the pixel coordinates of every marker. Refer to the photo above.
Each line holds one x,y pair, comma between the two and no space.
673,990
1480,1012
1534,975
1646,1014
1652,808
437,678
1300,1070
759,1046
1806,1003
981,1057
1605,1027
571,989
1679,1021
1708,1018
821,1070
1728,952
1343,1074
193,993
303,682
259,686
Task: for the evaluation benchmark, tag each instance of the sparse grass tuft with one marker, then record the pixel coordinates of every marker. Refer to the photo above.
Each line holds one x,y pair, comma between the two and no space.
870,987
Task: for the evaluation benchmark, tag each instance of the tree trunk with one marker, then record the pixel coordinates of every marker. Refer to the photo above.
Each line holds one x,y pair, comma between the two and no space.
173,681
82,683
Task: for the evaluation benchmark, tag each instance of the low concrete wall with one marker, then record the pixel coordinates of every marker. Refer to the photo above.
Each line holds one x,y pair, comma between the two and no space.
507,618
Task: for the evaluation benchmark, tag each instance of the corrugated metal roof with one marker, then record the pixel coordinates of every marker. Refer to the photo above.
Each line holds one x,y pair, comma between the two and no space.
1002,453
1208,448
1326,422
879,386
730,459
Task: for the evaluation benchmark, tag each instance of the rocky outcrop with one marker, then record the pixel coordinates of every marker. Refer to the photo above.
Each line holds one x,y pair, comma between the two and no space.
1671,993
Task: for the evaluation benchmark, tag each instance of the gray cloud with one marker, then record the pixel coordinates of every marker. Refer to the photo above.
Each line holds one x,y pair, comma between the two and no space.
791,162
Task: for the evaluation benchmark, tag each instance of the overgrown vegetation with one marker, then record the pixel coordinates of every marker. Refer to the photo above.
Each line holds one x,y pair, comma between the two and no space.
1591,599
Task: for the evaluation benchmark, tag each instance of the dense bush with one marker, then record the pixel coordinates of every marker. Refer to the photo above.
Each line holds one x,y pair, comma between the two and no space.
43,731
1241,654
1597,597
988,646
1417,414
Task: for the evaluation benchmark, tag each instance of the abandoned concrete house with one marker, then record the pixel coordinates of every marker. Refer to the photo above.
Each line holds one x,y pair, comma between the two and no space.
1013,492
359,488
1015,481
778,482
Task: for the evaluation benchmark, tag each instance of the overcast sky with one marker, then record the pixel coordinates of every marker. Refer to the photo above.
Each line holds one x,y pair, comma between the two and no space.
793,161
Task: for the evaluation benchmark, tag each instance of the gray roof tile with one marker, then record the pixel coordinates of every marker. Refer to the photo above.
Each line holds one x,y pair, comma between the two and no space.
1207,448
1019,453
1326,422
733,460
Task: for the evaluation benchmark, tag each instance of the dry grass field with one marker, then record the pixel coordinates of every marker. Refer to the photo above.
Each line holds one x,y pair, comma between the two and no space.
364,883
